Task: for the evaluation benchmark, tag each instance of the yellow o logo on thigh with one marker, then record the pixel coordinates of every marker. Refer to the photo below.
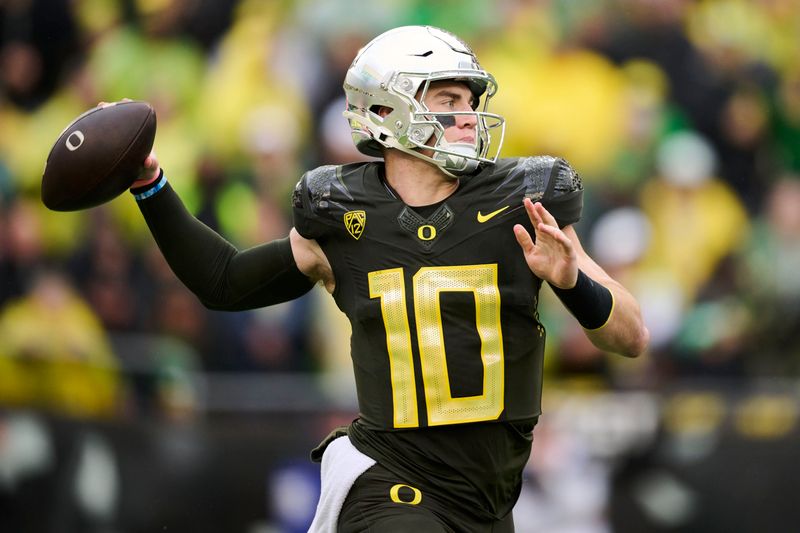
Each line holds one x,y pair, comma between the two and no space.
394,493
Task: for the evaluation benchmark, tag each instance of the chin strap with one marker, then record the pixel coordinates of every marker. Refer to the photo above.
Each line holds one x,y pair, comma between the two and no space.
458,164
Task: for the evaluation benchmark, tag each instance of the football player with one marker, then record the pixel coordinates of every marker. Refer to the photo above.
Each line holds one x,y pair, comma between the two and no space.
436,254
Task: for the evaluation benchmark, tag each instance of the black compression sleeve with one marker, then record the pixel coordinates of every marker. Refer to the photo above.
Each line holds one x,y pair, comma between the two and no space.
588,301
221,276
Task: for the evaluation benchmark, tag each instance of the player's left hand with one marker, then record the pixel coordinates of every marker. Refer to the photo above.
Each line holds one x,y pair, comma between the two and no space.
551,256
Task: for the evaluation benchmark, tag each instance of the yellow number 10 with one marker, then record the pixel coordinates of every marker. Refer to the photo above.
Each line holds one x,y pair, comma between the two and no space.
428,283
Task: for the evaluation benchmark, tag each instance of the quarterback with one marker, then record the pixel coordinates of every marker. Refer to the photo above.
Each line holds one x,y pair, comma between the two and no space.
436,253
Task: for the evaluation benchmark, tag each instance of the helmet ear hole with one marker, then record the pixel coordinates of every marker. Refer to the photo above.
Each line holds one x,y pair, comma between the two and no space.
380,110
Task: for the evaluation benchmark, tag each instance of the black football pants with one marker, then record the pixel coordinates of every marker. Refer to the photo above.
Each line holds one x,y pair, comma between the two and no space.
380,503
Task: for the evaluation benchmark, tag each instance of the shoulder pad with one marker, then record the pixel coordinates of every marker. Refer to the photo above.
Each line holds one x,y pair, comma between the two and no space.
314,187
530,174
321,198
565,179
553,182
564,197
310,200
545,177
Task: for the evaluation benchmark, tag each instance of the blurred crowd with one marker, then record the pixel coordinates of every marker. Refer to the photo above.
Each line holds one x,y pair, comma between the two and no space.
682,118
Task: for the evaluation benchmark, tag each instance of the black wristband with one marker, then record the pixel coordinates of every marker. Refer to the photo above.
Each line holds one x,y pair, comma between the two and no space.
588,301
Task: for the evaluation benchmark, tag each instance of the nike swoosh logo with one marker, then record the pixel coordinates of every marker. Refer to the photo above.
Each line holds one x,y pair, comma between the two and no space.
483,218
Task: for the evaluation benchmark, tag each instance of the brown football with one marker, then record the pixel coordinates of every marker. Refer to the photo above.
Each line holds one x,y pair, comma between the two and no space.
98,156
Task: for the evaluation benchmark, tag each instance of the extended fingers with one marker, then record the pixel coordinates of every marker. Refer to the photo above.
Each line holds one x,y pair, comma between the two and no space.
545,215
533,214
538,214
559,237
523,238
553,232
106,104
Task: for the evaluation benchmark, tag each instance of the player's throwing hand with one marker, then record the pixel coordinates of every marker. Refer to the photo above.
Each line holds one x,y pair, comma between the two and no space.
149,172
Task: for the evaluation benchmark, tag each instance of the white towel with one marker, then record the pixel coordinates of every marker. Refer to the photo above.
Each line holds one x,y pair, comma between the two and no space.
341,466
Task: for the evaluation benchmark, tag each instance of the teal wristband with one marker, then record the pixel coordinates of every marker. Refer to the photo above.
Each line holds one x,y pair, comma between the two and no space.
149,190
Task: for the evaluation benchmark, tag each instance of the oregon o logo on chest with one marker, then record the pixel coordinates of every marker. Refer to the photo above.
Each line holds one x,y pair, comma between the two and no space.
426,232
74,140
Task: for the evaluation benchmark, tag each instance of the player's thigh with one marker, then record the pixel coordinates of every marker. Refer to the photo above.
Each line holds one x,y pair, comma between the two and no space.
404,524
361,519
378,503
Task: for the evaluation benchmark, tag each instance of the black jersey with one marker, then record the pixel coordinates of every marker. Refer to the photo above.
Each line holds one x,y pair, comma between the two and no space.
443,306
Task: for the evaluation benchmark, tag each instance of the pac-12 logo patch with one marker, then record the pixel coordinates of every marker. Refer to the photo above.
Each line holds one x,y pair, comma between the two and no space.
355,221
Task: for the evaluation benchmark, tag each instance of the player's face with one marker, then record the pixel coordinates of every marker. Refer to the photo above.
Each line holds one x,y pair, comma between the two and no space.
448,96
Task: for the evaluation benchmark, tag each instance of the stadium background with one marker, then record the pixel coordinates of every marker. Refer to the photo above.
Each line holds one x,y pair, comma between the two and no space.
128,408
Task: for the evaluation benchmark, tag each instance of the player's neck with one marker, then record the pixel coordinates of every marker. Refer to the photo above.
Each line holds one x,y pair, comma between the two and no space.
416,182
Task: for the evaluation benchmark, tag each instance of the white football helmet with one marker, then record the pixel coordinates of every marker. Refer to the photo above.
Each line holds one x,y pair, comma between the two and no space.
394,70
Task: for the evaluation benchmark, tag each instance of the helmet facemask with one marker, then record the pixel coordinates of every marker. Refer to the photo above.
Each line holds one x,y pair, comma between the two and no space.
427,128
